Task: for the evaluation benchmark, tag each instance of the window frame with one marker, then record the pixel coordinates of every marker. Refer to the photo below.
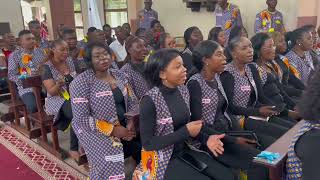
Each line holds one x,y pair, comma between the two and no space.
78,12
105,10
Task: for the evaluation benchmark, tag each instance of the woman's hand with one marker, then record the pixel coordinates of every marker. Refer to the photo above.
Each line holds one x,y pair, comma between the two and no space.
267,111
194,127
215,145
120,132
294,115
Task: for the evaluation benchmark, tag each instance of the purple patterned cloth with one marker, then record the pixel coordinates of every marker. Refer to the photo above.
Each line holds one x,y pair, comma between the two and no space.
276,17
223,16
165,125
243,85
136,80
53,104
92,100
15,62
304,66
145,18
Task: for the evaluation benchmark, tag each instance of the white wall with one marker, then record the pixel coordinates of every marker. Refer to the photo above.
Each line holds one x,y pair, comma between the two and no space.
176,17
10,11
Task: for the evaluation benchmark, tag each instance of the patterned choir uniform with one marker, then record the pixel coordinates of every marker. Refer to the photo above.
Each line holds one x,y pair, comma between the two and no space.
136,80
21,62
294,165
269,22
303,66
210,99
44,45
164,127
145,18
92,101
243,85
53,104
228,18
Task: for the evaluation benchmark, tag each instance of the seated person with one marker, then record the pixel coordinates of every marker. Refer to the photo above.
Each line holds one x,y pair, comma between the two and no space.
241,83
25,61
164,126
303,154
270,74
289,79
137,52
209,103
100,96
57,74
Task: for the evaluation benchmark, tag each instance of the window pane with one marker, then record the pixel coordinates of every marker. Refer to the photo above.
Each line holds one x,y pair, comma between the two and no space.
77,5
80,34
115,4
116,18
78,19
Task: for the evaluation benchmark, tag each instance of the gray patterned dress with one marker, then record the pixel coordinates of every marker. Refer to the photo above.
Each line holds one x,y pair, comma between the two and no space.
92,100
53,104
136,80
164,126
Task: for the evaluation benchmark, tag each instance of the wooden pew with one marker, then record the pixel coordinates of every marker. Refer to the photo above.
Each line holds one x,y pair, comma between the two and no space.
17,110
276,169
42,119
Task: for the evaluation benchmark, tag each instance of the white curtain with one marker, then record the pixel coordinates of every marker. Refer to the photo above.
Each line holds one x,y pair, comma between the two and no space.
93,14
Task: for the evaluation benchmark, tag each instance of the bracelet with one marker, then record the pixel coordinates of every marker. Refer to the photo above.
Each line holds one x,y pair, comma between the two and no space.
104,127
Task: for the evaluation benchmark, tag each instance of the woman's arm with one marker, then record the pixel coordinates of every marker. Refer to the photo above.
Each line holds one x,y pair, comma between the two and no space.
228,85
148,128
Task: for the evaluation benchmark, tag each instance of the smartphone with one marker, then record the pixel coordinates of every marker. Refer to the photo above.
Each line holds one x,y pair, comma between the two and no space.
193,162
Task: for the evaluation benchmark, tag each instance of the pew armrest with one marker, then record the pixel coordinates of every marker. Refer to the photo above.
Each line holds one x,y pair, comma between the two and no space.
280,146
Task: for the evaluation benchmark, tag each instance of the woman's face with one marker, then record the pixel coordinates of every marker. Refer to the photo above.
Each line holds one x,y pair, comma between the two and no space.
217,61
243,52
268,50
306,41
138,50
61,51
195,38
101,59
281,45
221,38
169,42
175,73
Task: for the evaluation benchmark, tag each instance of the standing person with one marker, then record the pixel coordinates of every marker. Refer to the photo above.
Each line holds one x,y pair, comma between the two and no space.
34,27
108,34
137,52
100,97
299,56
217,34
164,126
228,16
192,37
57,74
25,61
270,19
118,46
303,156
147,15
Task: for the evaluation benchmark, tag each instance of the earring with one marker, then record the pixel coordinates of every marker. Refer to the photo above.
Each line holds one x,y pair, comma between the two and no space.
207,64
299,44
